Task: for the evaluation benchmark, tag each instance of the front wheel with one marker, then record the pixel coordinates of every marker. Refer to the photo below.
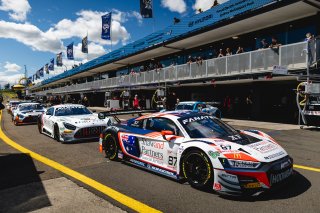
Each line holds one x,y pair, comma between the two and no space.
40,125
197,169
111,146
57,133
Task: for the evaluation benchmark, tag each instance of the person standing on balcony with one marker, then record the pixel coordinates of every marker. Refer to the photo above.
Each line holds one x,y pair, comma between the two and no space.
274,43
190,60
228,52
220,53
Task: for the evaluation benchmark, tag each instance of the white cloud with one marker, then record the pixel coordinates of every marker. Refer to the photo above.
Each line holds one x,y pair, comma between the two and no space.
179,6
90,21
31,36
18,9
205,4
9,73
11,67
94,51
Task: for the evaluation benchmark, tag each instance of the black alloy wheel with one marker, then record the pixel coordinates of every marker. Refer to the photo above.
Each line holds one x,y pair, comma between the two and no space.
197,169
111,147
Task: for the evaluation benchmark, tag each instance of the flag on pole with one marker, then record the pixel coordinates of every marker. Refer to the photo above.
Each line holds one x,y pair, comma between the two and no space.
51,64
29,80
84,48
59,59
46,68
106,26
41,73
70,51
146,8
38,74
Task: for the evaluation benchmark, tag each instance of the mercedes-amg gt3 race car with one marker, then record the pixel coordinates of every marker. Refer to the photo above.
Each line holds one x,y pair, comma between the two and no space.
71,122
201,149
27,113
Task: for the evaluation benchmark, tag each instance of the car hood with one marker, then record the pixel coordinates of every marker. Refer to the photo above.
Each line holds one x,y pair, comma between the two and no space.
31,112
83,120
263,149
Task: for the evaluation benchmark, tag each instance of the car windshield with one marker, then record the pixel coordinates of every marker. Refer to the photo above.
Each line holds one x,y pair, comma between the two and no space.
31,107
75,110
205,126
185,107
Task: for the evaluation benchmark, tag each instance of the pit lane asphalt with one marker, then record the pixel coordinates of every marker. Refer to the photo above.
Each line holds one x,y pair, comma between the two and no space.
168,195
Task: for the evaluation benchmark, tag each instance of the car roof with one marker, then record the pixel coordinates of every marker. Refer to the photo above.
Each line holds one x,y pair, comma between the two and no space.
189,102
171,114
29,103
68,105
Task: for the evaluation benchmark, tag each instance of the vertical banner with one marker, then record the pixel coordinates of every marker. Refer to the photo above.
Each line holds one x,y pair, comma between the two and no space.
29,80
106,26
41,73
146,8
70,51
51,64
46,68
34,77
84,47
38,74
59,59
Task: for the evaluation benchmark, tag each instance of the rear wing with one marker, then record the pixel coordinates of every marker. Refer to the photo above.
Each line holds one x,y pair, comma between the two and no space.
114,114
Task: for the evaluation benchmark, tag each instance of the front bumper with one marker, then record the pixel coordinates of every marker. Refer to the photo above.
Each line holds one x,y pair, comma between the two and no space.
84,133
269,177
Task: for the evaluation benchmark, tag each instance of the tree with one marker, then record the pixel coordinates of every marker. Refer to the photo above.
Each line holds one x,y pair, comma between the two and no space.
7,86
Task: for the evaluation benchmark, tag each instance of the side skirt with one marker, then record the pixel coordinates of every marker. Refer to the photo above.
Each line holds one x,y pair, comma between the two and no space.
151,168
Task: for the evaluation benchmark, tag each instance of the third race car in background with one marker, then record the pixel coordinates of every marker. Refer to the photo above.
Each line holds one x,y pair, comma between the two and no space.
201,149
198,106
27,113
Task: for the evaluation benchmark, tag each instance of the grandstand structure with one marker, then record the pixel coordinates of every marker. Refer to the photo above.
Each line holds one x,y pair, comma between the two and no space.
233,78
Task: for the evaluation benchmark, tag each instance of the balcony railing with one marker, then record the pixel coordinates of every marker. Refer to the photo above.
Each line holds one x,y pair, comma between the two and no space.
293,56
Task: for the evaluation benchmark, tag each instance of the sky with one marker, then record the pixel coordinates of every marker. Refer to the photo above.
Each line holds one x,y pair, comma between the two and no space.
34,31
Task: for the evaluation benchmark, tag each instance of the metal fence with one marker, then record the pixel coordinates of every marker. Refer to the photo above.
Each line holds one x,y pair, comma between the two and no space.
292,56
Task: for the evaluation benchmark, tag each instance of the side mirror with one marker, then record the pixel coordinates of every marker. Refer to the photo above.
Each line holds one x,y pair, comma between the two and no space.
101,116
93,110
164,133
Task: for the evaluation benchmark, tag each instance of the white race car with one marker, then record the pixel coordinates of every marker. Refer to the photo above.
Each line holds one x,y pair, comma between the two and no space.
71,122
27,113
201,149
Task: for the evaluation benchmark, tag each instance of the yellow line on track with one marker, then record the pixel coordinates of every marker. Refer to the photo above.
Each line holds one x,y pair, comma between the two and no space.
306,168
121,198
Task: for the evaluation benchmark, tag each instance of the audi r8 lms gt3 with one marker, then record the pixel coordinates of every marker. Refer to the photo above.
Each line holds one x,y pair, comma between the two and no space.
201,149
71,122
197,106
27,113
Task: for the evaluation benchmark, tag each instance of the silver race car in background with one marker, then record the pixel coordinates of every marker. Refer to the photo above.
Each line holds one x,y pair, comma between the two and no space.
71,122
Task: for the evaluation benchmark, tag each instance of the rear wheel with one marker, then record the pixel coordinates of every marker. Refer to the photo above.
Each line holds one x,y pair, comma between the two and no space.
57,133
111,146
197,169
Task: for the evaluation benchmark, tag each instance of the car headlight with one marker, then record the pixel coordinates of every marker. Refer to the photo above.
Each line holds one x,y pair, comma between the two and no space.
240,164
69,126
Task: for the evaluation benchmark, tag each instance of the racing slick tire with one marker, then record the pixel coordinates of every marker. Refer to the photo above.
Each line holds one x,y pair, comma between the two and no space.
197,169
111,146
56,133
39,125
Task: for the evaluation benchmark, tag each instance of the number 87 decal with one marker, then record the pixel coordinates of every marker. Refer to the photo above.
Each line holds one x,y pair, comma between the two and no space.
172,161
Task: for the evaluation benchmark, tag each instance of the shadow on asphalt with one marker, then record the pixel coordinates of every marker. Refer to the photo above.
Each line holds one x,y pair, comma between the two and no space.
21,189
296,186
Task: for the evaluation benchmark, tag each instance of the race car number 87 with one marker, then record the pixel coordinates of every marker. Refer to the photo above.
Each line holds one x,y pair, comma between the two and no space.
172,161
